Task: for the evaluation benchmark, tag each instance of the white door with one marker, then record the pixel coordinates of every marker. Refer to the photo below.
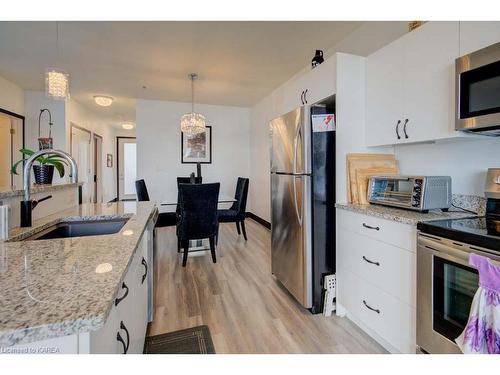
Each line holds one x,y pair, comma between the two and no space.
11,141
127,170
81,152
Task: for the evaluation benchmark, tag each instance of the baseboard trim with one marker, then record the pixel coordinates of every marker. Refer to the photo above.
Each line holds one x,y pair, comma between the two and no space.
259,220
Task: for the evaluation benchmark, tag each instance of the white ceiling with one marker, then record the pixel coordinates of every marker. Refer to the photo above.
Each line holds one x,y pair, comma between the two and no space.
237,62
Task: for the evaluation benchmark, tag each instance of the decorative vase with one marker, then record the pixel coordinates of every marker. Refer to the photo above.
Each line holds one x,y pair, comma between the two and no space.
43,174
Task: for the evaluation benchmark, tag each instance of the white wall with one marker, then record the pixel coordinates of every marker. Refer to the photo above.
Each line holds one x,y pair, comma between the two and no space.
466,161
34,101
63,114
259,189
11,97
159,146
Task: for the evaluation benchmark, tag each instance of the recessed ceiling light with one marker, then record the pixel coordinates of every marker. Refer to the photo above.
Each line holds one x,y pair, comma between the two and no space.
103,101
127,126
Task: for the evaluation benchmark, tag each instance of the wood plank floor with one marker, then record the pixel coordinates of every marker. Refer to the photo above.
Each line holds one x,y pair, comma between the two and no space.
246,309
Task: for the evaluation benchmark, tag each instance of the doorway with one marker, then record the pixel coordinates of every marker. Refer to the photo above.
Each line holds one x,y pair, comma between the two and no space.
126,167
97,163
11,141
80,143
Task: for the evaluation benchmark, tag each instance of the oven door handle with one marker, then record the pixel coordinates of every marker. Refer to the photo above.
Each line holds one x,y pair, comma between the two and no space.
456,252
441,248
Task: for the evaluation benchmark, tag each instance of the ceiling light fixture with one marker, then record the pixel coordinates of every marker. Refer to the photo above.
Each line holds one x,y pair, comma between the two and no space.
192,123
57,80
128,126
103,101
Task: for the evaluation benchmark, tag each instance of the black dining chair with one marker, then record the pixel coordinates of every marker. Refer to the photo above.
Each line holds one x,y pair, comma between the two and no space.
198,216
165,219
237,212
187,180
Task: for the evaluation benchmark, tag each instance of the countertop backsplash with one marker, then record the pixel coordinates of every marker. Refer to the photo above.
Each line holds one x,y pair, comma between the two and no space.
470,202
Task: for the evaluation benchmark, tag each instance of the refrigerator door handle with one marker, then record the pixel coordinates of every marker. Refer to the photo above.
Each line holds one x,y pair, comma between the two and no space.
299,216
294,163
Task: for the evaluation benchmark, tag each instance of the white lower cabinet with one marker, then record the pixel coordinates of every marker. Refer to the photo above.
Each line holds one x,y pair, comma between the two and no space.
376,278
125,328
388,320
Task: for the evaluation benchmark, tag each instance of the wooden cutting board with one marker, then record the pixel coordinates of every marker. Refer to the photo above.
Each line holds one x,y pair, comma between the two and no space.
363,176
363,161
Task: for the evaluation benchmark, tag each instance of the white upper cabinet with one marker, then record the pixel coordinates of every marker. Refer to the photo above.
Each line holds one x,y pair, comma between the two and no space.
311,87
384,94
478,34
410,87
429,82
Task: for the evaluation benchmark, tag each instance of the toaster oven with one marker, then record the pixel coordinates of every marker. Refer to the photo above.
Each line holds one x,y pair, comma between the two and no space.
418,193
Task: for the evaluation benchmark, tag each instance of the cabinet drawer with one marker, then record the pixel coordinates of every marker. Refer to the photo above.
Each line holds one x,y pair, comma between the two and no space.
393,320
390,268
391,232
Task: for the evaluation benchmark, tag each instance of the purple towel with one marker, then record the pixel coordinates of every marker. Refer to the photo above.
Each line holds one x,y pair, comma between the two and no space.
482,332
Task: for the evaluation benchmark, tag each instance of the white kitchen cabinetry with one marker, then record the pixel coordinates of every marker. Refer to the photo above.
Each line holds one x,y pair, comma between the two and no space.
376,278
384,94
125,328
127,319
410,82
475,35
311,87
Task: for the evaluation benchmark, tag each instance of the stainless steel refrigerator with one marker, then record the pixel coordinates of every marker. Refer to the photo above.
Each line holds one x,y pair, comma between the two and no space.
302,204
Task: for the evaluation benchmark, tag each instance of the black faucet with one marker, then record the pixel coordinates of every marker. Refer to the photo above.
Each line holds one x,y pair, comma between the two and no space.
27,207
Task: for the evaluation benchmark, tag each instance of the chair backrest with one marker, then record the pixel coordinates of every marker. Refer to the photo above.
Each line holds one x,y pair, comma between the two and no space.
241,195
187,180
198,210
141,190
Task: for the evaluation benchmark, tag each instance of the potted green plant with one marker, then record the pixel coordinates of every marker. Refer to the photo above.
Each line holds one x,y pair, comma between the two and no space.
44,170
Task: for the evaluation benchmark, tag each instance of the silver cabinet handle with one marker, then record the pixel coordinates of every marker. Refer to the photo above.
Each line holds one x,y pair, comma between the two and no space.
370,261
370,227
371,308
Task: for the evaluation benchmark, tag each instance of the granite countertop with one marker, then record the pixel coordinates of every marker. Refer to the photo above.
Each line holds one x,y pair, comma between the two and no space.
403,216
8,192
52,288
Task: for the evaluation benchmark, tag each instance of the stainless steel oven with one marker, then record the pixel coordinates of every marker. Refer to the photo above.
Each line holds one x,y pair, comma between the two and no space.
478,91
446,285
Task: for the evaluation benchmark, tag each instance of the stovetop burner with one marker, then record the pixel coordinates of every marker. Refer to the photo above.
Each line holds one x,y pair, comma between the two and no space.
480,231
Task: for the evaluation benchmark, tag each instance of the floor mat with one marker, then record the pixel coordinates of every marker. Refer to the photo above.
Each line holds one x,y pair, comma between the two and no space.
196,340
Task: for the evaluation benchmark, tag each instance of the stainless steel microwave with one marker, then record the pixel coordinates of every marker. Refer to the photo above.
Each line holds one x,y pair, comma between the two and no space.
419,193
478,91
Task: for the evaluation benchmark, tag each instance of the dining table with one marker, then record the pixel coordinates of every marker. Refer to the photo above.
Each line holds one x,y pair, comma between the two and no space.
197,247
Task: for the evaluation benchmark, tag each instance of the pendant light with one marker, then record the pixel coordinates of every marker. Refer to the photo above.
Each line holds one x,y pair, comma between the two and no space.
57,80
192,123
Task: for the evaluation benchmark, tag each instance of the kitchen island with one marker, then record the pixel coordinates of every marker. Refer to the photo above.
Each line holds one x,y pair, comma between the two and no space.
70,292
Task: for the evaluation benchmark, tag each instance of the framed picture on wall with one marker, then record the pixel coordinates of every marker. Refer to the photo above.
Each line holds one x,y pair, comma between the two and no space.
109,160
197,148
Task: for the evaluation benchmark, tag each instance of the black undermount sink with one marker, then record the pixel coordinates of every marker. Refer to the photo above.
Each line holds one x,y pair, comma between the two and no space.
68,229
